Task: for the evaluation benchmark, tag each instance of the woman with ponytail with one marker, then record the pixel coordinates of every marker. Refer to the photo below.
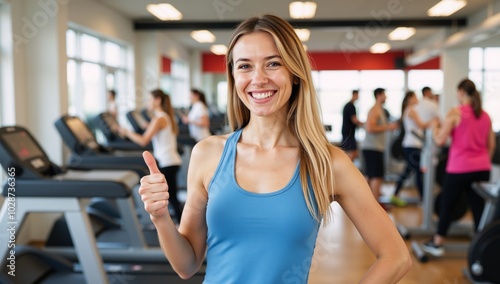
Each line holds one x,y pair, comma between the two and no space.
469,159
162,132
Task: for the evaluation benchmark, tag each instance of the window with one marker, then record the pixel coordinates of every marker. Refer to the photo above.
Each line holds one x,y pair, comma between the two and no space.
95,65
177,83
417,79
335,90
484,71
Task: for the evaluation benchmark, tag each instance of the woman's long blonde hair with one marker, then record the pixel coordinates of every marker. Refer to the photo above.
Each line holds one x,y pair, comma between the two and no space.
316,163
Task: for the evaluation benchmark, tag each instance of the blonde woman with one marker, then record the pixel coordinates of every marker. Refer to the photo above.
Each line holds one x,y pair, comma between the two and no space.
256,196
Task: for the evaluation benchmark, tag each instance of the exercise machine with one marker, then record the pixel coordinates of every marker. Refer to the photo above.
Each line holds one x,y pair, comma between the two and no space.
428,226
87,153
483,256
107,124
428,162
138,122
35,266
38,185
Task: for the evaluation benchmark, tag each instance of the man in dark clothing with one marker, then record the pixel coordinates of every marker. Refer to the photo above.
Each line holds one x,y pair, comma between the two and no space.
349,124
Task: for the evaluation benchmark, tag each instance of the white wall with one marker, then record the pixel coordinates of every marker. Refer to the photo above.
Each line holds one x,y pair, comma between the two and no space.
99,18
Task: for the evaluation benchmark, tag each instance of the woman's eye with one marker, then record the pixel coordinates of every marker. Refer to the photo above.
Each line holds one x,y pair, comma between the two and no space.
243,66
274,64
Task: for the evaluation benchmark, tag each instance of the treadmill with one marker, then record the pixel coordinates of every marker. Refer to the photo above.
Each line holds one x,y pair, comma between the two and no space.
137,120
35,184
108,125
87,153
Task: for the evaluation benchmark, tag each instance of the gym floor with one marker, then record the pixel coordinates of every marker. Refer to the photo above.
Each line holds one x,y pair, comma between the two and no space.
341,256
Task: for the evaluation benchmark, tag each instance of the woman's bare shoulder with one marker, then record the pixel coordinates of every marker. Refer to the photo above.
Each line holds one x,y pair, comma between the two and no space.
205,157
209,150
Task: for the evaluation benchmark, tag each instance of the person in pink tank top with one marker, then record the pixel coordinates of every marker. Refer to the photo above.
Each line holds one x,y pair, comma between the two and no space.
469,159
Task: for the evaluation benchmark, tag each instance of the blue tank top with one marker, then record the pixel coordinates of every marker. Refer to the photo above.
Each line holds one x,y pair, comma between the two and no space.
256,238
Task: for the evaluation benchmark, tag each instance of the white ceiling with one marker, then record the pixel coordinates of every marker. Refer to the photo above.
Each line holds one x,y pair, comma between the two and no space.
321,39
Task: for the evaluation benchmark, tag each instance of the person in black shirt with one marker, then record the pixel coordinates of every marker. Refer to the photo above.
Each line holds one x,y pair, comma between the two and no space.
349,124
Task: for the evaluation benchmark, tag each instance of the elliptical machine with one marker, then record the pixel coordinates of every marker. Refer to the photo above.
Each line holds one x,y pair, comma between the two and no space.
484,251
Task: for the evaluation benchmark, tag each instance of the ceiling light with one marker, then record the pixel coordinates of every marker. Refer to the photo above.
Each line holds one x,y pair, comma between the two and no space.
164,12
302,10
446,8
218,49
203,36
303,34
402,33
380,47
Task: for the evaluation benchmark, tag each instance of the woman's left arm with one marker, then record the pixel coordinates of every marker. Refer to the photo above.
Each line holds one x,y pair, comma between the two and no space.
492,143
378,231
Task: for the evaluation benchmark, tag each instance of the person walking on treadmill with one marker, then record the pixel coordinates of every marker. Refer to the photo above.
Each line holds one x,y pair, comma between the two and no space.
257,196
412,125
162,132
469,159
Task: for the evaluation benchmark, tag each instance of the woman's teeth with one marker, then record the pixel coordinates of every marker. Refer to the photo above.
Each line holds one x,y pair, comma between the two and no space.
262,95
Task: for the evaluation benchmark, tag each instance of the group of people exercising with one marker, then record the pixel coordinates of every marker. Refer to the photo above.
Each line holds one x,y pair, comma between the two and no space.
467,128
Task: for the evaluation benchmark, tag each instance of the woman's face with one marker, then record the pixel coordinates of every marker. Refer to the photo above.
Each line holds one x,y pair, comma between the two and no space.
413,100
460,94
152,102
262,81
193,97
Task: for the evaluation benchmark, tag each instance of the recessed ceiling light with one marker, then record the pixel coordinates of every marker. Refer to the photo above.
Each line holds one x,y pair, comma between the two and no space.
203,36
402,33
303,34
446,8
218,49
164,12
302,10
380,47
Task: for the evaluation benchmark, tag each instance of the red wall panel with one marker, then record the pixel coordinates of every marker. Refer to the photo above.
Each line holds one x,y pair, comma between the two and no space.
212,63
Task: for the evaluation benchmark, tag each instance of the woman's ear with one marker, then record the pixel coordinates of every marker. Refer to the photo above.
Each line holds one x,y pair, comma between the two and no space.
296,80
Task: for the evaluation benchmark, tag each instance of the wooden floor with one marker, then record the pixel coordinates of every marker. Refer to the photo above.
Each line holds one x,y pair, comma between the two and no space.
341,255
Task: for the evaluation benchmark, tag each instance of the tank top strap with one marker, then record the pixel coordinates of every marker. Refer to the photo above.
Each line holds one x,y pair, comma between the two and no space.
228,158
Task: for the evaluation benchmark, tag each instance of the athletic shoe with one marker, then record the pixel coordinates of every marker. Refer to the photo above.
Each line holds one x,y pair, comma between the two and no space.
398,201
431,248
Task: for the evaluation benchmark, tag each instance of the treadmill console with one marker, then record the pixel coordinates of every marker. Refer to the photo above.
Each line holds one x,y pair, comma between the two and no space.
20,150
138,122
77,136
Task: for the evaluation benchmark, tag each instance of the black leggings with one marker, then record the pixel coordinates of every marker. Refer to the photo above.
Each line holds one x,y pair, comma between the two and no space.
453,186
412,158
170,174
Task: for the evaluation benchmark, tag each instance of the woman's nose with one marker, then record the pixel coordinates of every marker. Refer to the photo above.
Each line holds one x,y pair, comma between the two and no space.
259,77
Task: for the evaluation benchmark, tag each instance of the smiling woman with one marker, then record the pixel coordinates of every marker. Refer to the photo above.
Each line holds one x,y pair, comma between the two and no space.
244,205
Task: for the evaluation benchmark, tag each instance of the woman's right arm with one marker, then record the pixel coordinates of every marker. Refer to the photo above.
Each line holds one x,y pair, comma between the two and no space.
415,117
441,133
184,247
